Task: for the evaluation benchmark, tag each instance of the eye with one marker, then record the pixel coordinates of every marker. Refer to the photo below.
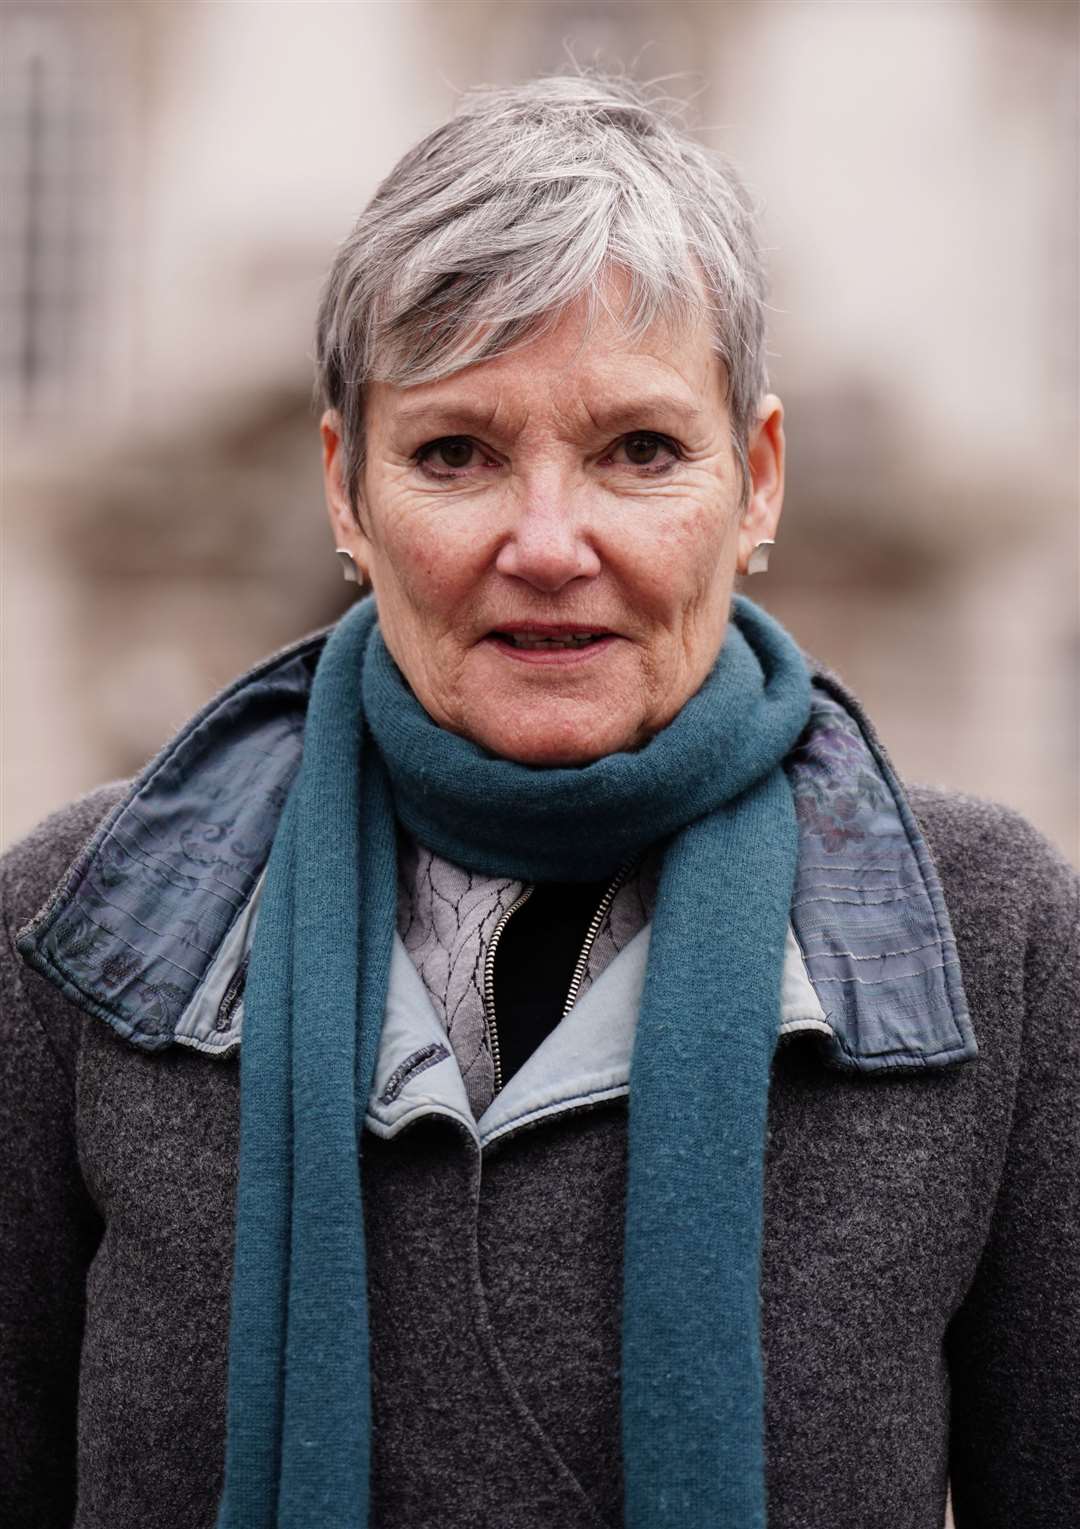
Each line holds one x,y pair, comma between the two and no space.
448,457
646,450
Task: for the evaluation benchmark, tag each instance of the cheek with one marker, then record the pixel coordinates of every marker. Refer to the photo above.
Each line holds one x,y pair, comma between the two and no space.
705,536
683,557
425,555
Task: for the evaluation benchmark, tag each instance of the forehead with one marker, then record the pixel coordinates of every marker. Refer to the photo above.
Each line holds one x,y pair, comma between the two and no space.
572,367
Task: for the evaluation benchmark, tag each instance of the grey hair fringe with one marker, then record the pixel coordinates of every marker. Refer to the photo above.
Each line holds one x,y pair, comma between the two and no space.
515,207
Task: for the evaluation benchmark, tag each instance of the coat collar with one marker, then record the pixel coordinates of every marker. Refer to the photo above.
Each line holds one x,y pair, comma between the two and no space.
150,925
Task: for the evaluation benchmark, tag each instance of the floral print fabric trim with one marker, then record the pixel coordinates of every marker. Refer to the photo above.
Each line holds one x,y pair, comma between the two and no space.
874,938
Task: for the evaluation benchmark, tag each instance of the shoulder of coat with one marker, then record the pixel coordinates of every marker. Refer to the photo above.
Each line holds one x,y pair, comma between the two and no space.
33,867
998,869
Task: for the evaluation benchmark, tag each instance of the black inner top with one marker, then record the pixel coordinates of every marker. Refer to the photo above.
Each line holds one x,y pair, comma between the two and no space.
534,962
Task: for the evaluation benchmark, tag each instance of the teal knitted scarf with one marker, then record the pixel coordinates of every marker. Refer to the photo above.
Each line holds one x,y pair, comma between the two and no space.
711,785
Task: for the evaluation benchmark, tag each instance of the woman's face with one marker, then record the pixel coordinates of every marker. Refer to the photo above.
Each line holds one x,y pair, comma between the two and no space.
552,536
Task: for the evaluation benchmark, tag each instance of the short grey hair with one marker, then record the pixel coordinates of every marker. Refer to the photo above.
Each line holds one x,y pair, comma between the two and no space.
515,207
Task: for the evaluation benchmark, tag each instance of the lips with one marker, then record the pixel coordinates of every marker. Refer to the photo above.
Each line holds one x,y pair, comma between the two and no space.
529,641
529,633
547,640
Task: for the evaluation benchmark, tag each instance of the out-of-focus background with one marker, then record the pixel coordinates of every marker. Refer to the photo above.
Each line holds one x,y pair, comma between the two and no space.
175,177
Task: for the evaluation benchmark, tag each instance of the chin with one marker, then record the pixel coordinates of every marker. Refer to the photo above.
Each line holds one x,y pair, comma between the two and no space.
554,743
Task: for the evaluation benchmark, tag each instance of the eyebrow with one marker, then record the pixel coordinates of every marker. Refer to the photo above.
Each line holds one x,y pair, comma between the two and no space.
623,414
443,416
627,412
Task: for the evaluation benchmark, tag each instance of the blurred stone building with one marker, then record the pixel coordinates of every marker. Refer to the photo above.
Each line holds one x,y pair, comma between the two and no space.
176,176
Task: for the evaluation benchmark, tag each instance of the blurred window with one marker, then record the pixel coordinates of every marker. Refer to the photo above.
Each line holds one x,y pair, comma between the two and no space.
60,111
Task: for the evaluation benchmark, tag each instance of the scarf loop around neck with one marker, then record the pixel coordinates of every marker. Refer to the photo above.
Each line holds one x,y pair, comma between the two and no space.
711,783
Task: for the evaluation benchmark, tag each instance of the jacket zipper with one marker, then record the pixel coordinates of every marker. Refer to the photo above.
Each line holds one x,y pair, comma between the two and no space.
590,937
489,982
579,968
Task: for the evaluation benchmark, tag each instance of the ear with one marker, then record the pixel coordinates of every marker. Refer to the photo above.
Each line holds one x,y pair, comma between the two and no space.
765,458
344,520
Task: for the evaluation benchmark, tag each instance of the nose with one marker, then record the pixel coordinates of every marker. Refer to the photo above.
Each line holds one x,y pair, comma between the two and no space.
548,544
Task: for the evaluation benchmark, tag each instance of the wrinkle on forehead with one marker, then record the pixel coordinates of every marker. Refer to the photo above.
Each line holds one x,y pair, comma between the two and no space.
569,378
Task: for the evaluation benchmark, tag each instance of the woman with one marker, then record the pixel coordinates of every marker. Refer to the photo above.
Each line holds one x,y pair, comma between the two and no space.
629,1103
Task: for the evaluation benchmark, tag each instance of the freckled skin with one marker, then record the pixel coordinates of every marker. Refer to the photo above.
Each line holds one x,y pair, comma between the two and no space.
554,517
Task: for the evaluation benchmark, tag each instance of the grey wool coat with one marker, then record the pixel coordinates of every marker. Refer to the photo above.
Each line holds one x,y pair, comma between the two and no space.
920,1280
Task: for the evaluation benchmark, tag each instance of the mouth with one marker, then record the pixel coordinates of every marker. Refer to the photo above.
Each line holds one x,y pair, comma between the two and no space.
535,641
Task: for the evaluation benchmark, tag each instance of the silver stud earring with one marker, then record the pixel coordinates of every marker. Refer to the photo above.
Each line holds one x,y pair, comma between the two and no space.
758,561
348,565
